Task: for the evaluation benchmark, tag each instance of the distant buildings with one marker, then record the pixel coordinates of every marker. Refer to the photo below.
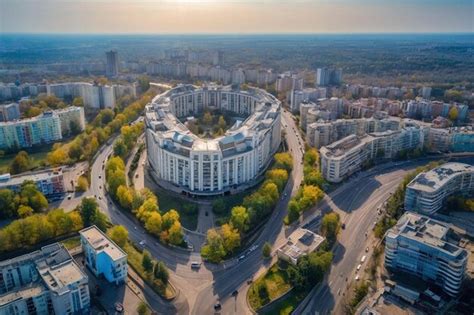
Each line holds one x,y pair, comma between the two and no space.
428,192
423,247
9,112
46,281
342,158
425,109
112,65
49,182
301,242
327,76
288,81
103,256
45,128
304,95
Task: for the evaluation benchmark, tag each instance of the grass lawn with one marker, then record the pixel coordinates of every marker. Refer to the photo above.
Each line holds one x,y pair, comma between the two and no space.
268,287
135,261
72,242
286,305
38,158
188,211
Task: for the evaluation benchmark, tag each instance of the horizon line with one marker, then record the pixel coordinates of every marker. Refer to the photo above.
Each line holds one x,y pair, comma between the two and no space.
240,34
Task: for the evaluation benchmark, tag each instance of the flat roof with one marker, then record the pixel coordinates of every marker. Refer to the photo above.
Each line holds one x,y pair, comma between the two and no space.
35,176
100,242
301,242
436,178
32,290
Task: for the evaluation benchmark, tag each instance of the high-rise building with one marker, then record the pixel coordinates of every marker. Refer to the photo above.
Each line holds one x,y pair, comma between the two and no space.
327,76
46,281
9,112
428,191
420,246
112,66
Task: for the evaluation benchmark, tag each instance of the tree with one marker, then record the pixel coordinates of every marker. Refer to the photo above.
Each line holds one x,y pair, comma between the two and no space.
219,206
330,226
161,272
169,218
278,176
120,149
125,197
311,157
21,163
175,233
142,308
153,223
214,249
75,150
115,179
284,161
57,157
147,262
231,238
78,101
207,118
88,209
31,196
146,209
24,211
266,250
143,83
239,218
453,113
8,204
82,184
222,123
74,127
119,235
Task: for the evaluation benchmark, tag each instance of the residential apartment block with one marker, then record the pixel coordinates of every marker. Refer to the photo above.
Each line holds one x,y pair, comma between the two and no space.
46,128
423,247
9,112
428,191
46,281
103,256
49,182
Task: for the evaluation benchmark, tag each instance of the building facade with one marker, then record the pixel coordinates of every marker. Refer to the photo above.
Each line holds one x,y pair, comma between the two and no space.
112,65
49,182
103,256
9,112
211,166
47,281
428,191
421,246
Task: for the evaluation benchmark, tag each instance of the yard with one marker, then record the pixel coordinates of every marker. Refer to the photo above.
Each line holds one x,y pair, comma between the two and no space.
268,287
188,211
38,158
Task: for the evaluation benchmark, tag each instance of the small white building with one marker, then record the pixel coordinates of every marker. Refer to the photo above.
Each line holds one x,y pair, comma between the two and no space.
103,256
301,242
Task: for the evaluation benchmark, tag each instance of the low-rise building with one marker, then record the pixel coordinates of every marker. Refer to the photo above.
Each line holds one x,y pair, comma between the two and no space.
46,281
421,246
70,116
301,242
103,256
428,191
49,182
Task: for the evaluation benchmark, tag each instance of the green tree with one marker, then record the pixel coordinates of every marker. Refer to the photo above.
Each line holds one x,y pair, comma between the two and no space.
214,249
120,149
219,206
278,176
240,218
222,123
169,218
31,196
88,209
74,127
78,101
143,83
82,184
24,211
21,163
142,309
161,272
8,204
125,196
119,235
266,250
147,262
207,118
453,113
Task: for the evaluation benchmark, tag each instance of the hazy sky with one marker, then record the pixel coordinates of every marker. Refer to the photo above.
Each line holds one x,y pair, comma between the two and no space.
236,16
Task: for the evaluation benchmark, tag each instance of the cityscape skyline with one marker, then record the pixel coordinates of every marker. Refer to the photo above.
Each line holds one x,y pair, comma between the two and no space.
235,17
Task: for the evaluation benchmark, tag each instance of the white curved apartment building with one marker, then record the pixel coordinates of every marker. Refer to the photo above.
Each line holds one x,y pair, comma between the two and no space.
211,166
421,246
428,191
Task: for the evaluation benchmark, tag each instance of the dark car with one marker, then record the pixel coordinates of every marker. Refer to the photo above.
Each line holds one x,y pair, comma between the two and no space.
235,292
343,226
217,306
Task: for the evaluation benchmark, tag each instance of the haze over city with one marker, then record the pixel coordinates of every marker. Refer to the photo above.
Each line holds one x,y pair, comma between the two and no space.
235,16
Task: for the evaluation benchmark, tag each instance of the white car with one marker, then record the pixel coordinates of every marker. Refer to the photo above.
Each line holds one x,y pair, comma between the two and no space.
142,243
358,267
357,278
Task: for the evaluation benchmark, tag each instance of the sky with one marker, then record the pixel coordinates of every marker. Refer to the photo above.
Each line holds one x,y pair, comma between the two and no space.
236,16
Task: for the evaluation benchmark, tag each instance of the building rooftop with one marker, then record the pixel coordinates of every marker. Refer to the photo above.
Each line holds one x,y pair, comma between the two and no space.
345,145
436,178
428,231
8,180
32,290
101,243
301,242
